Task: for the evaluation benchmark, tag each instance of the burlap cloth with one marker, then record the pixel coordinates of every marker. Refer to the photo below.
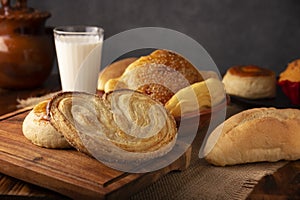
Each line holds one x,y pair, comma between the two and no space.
204,181
201,180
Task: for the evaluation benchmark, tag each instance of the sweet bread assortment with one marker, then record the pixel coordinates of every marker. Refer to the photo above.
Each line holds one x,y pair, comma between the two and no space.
135,118
259,134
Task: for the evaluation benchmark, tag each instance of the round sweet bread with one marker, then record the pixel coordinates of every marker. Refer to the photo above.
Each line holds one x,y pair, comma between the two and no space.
37,128
251,82
159,75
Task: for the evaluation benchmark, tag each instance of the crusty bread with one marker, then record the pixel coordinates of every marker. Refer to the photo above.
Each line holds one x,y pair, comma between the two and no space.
251,82
113,70
259,134
37,128
123,125
159,75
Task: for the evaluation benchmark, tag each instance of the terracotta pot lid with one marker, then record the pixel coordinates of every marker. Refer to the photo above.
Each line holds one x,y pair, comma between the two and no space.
20,11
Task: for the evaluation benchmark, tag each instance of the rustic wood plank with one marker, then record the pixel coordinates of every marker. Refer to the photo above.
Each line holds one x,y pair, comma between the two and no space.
14,113
283,184
68,172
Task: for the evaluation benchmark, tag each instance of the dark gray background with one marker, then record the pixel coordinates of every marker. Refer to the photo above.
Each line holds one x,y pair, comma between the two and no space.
260,32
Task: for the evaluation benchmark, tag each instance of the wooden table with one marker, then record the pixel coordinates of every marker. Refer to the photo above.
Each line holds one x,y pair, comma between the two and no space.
10,186
283,184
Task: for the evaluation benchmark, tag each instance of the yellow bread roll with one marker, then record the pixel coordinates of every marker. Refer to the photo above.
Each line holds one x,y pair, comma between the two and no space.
198,96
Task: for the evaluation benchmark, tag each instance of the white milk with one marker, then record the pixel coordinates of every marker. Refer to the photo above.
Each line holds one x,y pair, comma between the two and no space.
79,59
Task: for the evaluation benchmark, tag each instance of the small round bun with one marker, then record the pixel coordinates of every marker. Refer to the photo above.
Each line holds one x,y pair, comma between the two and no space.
113,70
251,82
37,128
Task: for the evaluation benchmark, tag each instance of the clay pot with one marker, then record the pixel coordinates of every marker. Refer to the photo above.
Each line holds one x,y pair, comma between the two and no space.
26,50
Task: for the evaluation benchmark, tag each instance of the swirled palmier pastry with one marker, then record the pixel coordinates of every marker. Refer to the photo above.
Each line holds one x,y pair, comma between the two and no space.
159,75
250,81
122,125
36,127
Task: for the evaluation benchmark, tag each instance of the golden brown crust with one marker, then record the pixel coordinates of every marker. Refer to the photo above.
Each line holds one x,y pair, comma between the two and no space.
60,121
172,60
157,92
292,72
161,74
250,71
37,128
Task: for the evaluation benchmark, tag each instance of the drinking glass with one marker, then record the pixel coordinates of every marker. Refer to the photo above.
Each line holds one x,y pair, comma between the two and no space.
78,51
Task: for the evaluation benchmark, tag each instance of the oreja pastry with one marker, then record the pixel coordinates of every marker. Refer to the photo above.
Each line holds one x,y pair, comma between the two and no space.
159,75
289,80
251,82
37,128
255,135
114,70
196,97
123,125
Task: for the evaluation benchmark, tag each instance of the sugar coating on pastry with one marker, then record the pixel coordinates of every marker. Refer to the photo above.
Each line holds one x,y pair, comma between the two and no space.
37,128
251,82
159,75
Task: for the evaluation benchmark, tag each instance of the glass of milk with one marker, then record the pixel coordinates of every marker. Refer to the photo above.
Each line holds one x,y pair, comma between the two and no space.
78,51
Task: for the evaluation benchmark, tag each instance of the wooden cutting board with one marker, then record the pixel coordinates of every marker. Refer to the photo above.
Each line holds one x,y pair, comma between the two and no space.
69,172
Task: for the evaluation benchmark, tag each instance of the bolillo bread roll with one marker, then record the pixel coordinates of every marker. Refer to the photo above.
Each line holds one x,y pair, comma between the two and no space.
255,135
